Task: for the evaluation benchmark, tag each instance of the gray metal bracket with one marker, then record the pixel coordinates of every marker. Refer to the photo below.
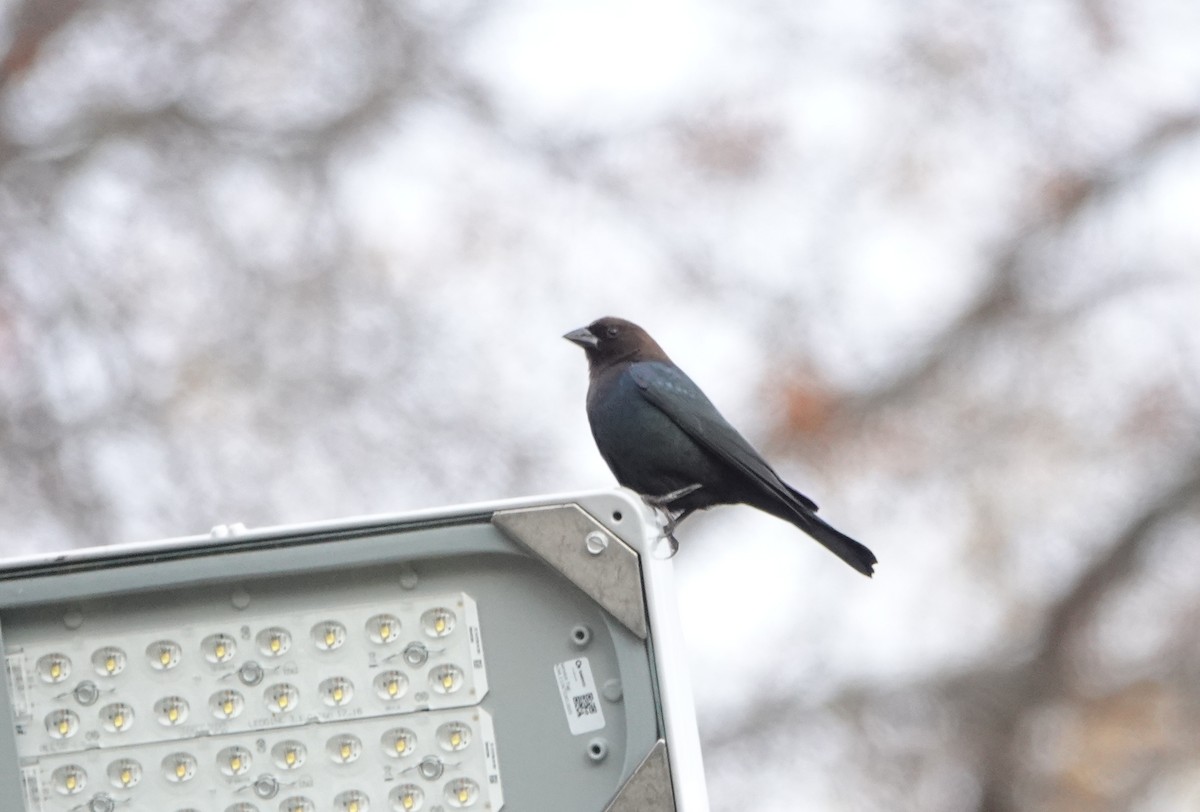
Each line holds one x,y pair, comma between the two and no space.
568,539
649,788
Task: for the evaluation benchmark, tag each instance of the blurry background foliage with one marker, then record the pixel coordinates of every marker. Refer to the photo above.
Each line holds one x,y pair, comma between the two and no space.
270,262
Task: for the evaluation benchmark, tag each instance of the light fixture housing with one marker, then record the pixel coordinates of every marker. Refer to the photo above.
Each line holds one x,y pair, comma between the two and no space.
522,654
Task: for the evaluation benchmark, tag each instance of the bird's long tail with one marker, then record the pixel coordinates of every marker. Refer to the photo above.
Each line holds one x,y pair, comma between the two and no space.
853,553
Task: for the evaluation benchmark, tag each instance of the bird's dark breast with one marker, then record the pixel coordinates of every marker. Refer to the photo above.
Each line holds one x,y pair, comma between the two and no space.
645,449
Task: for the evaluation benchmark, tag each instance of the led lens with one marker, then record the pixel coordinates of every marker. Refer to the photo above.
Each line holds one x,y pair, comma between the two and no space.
109,661
382,629
282,698
242,808
62,724
233,761
124,773
179,767
344,749
171,710
163,655
69,779
274,642
407,798
329,635
438,622
391,685
461,793
54,667
446,679
336,691
226,704
399,742
351,801
116,718
289,755
218,648
297,804
453,736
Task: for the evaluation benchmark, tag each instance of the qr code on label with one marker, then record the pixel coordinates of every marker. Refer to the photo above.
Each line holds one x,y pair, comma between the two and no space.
577,688
585,704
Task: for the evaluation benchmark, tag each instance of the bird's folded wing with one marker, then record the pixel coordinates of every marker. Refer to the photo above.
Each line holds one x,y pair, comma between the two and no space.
673,393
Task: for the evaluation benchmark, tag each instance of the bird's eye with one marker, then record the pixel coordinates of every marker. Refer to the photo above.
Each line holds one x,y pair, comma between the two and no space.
611,332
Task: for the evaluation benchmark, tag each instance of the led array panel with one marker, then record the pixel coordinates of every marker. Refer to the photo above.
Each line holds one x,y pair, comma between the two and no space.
420,761
314,710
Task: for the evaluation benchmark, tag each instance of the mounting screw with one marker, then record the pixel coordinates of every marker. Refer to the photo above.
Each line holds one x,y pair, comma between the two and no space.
86,692
596,542
251,673
597,749
267,786
102,802
581,635
431,768
415,653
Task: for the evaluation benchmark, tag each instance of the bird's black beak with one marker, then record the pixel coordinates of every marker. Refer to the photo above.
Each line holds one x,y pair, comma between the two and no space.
583,337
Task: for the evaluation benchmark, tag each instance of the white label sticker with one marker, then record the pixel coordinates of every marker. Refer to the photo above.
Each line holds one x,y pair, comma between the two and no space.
578,691
14,665
31,779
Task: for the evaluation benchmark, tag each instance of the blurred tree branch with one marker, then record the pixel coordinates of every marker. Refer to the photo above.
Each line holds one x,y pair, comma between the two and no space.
34,22
992,702
1004,298
1047,677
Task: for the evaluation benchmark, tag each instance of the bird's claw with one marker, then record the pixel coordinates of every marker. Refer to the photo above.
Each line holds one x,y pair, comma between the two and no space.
665,546
668,529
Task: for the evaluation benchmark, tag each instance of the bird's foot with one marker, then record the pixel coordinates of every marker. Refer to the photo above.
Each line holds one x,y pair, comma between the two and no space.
666,544
673,520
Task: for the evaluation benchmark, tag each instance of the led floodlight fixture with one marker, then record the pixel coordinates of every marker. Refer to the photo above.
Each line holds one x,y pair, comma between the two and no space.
521,655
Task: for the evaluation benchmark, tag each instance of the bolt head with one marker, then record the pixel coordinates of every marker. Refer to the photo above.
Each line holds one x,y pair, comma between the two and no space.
596,542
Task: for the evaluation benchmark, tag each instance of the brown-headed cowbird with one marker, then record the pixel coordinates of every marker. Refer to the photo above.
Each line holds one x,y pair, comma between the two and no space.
664,439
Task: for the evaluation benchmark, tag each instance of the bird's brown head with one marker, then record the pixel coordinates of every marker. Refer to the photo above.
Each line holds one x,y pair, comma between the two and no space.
611,340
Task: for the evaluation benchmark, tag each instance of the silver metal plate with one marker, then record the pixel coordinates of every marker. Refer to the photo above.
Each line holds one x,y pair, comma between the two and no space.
649,788
586,553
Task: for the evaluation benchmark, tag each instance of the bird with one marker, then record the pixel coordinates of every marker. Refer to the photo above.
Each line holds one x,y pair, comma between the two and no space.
663,438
